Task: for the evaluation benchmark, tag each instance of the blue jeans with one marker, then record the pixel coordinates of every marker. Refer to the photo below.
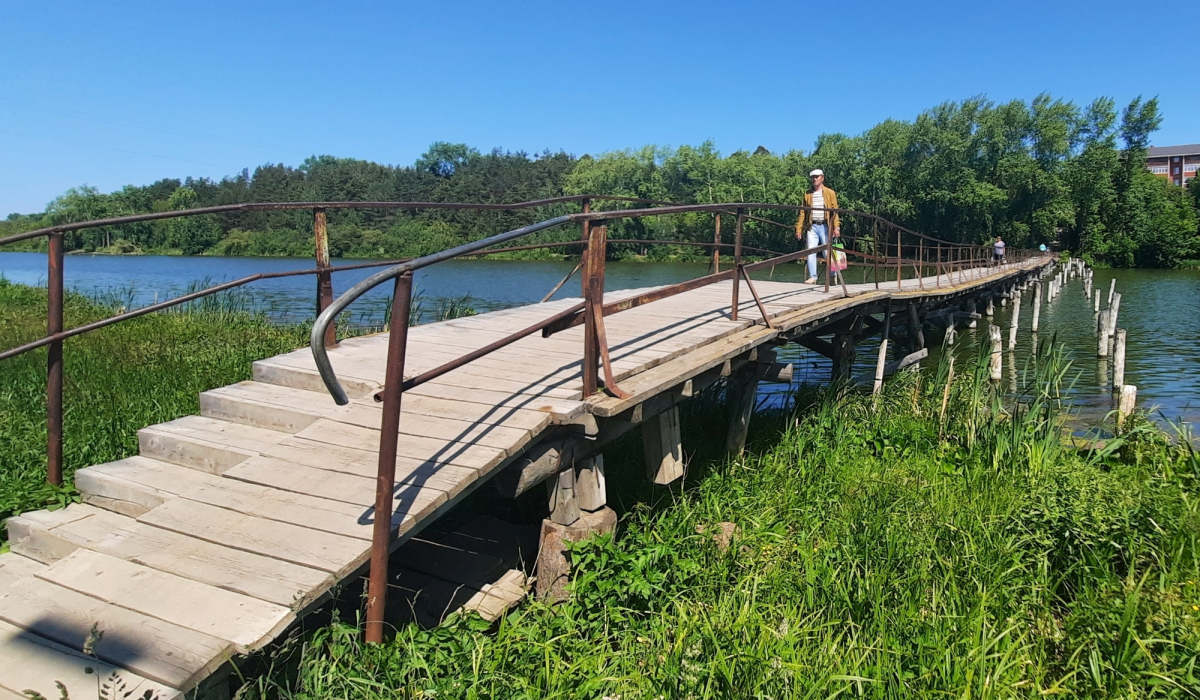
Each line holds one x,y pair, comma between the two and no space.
817,235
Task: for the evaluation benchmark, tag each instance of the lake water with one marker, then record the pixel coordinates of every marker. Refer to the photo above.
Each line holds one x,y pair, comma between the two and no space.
1159,308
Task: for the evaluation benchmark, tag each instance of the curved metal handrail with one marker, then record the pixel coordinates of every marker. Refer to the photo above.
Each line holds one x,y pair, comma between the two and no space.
317,339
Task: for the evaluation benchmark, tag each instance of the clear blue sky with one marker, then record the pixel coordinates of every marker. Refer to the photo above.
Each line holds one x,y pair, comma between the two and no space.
113,93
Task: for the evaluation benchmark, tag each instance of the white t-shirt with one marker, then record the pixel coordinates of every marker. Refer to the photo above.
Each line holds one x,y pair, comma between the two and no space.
818,214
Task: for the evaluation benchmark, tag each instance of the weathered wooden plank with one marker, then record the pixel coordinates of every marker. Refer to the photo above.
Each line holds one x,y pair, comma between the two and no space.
152,648
302,374
293,416
247,622
35,663
159,481
412,500
560,409
411,446
50,538
335,554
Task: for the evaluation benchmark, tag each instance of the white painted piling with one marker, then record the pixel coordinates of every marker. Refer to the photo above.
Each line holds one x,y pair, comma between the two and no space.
1037,304
1127,403
997,357
1119,361
879,364
1114,307
1014,321
1097,309
1112,287
1102,334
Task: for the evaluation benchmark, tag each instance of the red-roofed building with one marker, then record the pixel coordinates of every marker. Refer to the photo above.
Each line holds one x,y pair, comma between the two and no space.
1177,164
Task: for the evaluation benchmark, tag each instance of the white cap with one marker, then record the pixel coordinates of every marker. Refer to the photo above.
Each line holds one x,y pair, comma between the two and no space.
816,172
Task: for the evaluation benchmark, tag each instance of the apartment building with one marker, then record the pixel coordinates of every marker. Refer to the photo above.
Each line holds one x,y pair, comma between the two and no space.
1177,164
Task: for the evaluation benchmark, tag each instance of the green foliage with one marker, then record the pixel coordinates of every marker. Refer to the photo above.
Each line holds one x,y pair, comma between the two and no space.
1042,171
882,551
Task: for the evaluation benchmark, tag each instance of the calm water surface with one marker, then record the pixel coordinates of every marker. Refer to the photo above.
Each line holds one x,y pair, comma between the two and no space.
1159,309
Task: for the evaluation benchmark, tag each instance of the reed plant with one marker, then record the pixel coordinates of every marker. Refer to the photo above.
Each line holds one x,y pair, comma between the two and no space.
881,551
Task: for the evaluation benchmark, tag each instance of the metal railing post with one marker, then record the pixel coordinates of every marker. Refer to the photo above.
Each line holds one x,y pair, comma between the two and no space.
828,259
921,263
737,261
54,361
591,346
875,249
938,266
324,276
715,266
385,478
899,261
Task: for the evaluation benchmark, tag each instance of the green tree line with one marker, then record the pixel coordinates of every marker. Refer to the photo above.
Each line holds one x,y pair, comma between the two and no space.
1040,171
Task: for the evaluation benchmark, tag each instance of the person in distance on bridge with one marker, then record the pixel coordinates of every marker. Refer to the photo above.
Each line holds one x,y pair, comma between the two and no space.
998,250
812,228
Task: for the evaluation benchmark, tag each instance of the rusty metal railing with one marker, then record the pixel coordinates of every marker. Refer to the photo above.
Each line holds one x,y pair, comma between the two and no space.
591,313
876,251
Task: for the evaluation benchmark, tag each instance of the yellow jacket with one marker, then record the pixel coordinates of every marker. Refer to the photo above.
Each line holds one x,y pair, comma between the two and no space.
805,221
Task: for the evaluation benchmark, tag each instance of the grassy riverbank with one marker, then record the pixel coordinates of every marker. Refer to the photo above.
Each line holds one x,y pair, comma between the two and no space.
881,552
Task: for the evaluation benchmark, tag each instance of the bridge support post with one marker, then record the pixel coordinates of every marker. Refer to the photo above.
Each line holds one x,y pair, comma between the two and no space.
916,334
742,390
385,479
843,358
663,446
578,510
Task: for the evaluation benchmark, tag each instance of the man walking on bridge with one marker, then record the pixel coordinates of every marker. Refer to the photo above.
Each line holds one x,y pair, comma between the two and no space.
812,228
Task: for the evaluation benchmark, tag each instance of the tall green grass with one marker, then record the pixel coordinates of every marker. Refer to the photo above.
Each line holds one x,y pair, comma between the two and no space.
882,552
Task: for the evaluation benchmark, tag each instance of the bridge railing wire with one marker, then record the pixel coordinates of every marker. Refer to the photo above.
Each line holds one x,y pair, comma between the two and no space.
888,251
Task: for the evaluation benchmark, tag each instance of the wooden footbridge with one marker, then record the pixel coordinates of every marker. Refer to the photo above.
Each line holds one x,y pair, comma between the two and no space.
228,526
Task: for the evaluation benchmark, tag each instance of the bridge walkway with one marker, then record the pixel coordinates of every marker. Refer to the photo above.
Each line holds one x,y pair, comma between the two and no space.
229,525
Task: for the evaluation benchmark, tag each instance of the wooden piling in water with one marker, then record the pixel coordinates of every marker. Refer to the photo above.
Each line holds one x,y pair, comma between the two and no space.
1119,361
879,365
1114,307
1014,322
997,356
1112,288
1037,304
1097,308
1102,334
1126,404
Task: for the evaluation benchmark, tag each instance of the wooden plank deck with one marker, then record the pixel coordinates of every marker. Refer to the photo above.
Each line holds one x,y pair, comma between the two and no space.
229,525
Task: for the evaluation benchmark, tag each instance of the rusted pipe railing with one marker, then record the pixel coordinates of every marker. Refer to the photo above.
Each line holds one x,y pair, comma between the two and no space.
54,361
